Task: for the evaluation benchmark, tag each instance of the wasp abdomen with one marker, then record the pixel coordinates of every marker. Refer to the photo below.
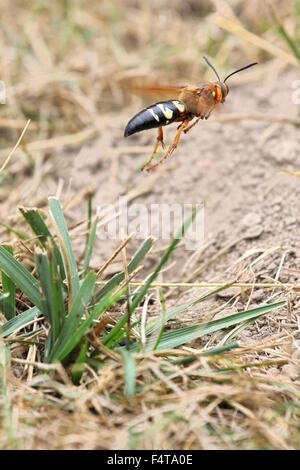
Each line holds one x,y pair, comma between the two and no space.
157,115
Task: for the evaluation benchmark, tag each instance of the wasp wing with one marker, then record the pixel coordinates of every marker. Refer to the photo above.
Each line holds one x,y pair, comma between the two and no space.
159,90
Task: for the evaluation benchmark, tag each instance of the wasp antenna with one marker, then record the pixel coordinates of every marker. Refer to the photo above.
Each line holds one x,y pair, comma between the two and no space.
212,67
239,70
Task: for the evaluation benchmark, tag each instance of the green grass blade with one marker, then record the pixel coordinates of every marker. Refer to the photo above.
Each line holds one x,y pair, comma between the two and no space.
206,352
154,324
58,216
78,367
290,41
9,292
21,277
57,291
89,246
35,220
37,224
174,338
239,329
82,299
104,304
2,296
43,270
52,289
19,233
18,322
129,373
74,318
163,320
90,211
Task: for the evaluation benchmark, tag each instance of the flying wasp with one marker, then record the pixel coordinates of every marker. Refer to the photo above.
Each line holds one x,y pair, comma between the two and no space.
194,101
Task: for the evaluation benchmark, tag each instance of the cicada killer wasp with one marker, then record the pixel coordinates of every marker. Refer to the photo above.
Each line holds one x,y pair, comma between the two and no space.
194,101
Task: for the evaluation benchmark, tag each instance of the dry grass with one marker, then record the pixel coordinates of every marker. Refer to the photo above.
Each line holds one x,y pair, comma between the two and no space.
65,66
238,400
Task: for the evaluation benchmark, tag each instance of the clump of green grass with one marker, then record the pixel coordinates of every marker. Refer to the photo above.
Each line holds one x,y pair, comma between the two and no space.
71,304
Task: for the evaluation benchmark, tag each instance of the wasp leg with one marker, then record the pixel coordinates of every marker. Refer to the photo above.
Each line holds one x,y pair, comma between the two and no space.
159,140
203,116
207,116
171,148
192,125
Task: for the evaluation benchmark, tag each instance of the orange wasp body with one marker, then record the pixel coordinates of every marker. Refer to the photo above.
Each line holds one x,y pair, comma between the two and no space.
194,101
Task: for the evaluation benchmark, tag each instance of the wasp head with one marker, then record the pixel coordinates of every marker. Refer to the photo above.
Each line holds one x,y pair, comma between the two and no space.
221,88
